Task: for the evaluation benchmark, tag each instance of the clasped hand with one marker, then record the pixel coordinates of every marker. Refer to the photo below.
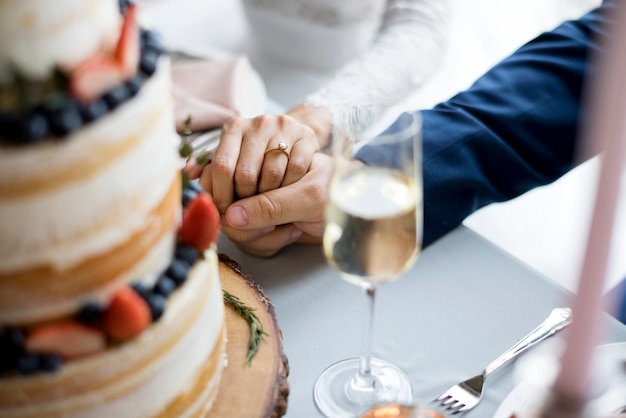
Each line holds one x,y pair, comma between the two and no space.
269,197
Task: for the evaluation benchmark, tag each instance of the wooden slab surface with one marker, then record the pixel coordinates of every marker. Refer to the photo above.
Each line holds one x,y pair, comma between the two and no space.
258,389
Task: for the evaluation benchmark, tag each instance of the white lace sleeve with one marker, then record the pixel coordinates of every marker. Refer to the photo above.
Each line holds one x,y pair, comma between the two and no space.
406,51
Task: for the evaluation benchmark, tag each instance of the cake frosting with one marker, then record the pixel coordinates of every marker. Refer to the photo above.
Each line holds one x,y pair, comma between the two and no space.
111,151
35,35
150,376
110,299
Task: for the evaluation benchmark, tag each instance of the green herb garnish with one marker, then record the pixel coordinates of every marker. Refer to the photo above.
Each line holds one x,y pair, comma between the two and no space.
256,329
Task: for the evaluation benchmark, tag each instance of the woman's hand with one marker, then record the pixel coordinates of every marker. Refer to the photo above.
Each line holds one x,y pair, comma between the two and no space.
257,155
263,153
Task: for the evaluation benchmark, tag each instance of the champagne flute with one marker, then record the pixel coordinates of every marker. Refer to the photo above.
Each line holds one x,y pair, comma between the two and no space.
372,235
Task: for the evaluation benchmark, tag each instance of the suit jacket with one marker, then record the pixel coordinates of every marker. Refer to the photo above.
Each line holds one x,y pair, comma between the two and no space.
514,129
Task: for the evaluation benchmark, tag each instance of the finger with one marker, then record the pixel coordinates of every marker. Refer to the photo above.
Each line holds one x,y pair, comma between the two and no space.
302,201
193,170
273,171
196,162
259,137
205,181
242,235
309,239
224,162
270,244
300,158
312,229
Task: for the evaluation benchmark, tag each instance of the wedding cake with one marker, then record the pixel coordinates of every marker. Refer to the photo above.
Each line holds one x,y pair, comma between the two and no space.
110,300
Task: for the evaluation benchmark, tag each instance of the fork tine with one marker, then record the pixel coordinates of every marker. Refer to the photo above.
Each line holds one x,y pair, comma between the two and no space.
448,395
468,407
455,407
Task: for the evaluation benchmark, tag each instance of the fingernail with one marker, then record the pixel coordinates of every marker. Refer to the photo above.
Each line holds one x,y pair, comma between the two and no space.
295,234
237,216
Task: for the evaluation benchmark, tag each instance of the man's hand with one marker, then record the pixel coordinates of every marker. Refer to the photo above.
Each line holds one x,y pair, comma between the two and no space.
264,224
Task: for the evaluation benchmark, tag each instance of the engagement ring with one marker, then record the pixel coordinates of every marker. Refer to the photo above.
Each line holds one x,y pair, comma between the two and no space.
281,147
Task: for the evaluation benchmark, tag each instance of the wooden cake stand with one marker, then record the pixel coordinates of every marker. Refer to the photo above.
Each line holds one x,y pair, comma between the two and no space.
258,389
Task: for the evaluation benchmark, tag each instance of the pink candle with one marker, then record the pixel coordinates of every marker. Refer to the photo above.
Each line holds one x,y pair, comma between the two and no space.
607,131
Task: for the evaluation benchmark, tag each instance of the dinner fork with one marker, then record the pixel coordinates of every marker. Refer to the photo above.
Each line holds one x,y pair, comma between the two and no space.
465,395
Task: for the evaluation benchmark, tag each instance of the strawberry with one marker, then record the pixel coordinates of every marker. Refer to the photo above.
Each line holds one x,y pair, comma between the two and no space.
127,316
69,339
201,221
102,72
93,77
127,49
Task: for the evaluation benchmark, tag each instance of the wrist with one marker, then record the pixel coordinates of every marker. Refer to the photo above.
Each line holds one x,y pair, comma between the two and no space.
318,119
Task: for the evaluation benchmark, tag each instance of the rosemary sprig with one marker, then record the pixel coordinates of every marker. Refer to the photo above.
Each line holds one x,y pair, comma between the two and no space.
256,329
185,149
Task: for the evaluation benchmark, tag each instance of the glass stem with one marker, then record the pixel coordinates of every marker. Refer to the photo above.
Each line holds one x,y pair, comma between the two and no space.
364,379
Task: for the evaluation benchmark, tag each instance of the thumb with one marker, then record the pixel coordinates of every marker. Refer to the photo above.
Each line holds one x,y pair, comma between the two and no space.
284,205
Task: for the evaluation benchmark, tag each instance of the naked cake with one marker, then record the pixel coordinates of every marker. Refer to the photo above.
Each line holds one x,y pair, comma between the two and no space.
110,300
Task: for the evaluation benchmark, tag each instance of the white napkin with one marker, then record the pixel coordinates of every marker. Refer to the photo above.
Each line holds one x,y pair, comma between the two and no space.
211,91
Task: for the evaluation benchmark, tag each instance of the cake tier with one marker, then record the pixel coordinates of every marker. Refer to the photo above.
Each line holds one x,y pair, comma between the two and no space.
35,35
172,369
89,212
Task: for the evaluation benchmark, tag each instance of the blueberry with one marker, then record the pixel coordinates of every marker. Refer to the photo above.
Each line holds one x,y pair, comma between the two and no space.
134,84
33,127
142,290
123,4
151,41
50,362
156,303
11,347
148,61
64,118
178,271
164,286
27,363
12,341
188,196
94,109
117,96
5,364
187,253
9,363
90,313
9,125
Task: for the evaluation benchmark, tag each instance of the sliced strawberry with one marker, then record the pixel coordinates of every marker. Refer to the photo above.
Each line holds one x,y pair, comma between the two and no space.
94,76
127,49
126,316
69,339
201,221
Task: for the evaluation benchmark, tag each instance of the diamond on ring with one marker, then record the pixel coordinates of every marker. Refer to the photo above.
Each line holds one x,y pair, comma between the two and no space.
280,147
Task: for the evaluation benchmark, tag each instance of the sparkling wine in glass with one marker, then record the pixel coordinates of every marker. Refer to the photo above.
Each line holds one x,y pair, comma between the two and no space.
372,235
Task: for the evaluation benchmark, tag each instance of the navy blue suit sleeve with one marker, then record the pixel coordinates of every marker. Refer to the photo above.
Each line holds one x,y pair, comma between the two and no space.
514,129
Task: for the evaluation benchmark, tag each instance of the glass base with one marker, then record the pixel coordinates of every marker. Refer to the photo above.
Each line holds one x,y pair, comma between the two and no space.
336,394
